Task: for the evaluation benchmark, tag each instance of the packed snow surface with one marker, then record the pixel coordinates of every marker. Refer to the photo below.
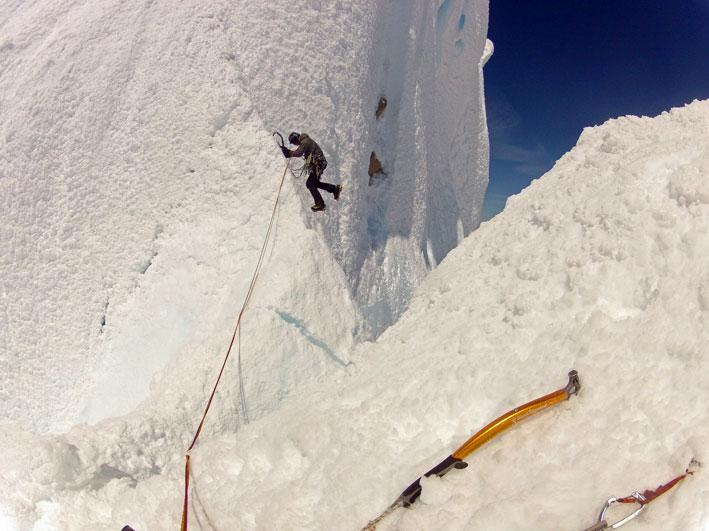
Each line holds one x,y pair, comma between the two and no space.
138,176
600,266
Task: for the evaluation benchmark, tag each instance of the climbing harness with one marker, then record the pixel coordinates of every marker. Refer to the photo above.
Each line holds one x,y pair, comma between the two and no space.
237,327
641,499
493,429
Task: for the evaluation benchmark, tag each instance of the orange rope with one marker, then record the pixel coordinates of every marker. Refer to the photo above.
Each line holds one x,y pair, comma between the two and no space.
250,291
183,525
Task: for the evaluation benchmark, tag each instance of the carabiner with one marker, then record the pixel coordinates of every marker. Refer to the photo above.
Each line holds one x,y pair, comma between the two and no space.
639,498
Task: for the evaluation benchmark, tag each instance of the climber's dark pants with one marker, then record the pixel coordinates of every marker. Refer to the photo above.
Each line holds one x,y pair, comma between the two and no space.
313,182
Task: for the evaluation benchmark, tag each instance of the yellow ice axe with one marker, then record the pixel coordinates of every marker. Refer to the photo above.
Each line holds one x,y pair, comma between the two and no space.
497,426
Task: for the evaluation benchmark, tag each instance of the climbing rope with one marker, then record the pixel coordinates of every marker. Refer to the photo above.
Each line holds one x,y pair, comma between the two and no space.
642,499
242,393
237,326
195,496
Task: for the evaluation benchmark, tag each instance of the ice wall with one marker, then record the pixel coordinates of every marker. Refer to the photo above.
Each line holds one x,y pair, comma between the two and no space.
432,142
138,173
137,183
425,59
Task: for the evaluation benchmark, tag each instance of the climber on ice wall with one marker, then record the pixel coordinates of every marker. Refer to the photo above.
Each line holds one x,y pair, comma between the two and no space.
315,164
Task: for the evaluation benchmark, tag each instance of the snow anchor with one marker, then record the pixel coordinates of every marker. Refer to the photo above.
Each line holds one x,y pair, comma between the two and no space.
641,499
490,431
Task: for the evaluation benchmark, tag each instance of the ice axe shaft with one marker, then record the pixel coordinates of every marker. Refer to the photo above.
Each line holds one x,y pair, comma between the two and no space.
492,430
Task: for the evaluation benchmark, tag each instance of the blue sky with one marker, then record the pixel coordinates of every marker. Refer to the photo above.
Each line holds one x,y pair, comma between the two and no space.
560,66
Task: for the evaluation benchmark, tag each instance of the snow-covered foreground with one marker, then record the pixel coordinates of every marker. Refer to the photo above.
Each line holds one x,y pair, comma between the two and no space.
600,266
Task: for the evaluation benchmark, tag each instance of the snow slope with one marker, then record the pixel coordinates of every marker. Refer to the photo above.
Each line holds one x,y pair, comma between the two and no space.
600,266
137,175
